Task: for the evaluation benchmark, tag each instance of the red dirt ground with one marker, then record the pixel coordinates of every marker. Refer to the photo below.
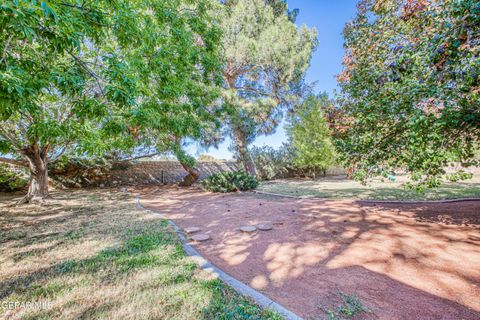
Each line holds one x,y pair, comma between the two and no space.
404,261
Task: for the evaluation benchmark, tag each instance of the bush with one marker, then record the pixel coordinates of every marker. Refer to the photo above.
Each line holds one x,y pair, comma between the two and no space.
11,180
280,163
230,182
273,163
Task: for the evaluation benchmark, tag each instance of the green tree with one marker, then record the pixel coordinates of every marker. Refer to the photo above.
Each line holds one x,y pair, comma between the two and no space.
310,135
265,53
410,87
91,77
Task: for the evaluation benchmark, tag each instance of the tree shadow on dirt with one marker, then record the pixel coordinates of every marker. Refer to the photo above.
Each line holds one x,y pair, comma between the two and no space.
397,257
461,213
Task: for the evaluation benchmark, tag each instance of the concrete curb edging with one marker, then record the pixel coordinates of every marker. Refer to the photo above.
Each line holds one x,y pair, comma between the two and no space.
259,298
369,201
420,201
287,196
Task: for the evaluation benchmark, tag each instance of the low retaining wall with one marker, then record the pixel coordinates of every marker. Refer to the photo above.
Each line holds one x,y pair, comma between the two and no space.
336,171
158,172
145,173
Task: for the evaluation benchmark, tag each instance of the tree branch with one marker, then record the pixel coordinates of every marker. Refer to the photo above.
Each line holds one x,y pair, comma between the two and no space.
86,10
9,138
19,163
88,70
62,151
140,157
7,44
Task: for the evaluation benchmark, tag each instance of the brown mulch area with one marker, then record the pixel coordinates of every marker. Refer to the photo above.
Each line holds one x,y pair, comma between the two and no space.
404,261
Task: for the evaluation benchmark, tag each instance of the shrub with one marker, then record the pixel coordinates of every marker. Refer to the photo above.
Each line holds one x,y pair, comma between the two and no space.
280,163
10,180
230,182
273,163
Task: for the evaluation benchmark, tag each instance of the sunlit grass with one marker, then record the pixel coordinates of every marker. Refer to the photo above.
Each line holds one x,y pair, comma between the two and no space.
342,188
350,307
94,255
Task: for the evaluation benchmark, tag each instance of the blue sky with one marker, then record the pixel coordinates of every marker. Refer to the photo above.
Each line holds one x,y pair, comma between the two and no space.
329,17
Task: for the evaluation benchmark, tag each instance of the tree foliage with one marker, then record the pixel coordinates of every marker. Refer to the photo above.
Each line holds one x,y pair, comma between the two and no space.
265,53
310,135
280,7
91,77
410,86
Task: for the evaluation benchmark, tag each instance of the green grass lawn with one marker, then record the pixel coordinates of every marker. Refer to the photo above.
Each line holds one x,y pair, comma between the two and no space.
95,255
342,188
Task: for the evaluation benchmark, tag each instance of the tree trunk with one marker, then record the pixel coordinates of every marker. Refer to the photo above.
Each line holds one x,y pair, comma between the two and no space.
243,153
238,134
192,176
38,186
187,162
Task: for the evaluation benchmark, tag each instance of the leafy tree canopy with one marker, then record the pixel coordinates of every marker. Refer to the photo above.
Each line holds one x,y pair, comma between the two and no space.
265,52
91,76
410,87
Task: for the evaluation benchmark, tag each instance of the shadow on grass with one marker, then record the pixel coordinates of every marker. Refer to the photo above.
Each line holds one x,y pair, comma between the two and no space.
134,266
342,188
136,252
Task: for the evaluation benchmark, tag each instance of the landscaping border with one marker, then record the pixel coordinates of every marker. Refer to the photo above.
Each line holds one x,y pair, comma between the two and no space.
257,297
369,200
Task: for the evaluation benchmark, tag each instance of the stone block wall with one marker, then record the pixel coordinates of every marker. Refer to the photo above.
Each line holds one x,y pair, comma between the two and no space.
336,171
159,172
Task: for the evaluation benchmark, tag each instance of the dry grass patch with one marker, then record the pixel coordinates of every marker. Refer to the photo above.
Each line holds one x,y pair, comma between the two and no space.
95,255
339,187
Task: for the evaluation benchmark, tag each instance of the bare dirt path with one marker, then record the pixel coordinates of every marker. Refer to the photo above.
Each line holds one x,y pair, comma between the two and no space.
404,261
